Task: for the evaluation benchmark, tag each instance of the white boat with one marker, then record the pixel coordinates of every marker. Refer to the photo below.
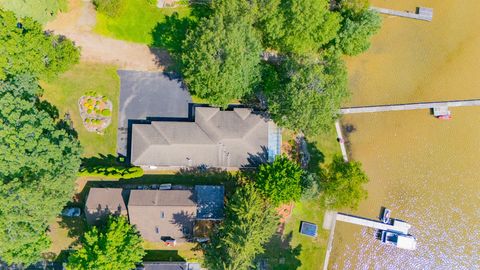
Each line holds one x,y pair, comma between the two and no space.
404,241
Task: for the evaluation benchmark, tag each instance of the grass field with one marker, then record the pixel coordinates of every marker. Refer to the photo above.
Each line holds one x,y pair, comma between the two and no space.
65,91
293,250
136,22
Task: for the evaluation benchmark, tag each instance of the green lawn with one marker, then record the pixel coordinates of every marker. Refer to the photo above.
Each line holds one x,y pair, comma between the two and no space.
293,250
137,21
65,91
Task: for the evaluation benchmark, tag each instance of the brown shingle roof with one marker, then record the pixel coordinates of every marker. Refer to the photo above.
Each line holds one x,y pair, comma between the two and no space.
102,202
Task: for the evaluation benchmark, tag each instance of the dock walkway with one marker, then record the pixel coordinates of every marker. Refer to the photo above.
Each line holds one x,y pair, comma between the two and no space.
424,14
410,106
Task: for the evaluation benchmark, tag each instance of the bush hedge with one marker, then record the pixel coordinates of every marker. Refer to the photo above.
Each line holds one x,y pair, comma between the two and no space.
112,172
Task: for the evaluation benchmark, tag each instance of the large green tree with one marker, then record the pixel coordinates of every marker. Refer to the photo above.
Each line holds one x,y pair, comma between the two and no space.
26,48
309,24
39,161
357,28
221,56
249,223
280,181
40,10
117,246
343,183
310,94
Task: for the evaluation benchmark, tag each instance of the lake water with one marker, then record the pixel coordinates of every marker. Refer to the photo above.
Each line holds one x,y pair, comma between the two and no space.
427,171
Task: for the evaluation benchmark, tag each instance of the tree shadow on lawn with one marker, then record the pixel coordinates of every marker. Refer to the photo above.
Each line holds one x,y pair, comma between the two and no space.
279,253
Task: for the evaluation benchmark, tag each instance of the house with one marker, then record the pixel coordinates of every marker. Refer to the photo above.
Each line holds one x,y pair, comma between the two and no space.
102,202
160,215
228,139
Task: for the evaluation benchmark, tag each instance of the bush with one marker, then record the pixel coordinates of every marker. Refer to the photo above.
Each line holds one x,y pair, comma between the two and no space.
310,187
89,111
106,112
112,172
109,7
280,181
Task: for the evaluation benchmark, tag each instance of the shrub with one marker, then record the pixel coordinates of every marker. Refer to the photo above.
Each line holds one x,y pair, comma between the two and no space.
105,99
112,172
106,112
310,186
280,181
109,7
89,111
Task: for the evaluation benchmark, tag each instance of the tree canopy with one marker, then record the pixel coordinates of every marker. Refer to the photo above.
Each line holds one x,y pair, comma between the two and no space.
221,56
249,223
117,246
356,29
280,181
309,97
342,185
309,26
40,10
39,161
27,49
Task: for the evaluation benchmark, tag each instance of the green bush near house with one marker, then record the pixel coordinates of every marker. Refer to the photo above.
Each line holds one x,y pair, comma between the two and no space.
112,172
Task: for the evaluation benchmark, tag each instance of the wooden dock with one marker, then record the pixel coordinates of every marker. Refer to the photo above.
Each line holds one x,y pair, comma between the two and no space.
410,106
424,14
341,141
331,218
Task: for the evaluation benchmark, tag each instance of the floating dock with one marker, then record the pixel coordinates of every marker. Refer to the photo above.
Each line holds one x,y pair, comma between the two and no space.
411,106
422,13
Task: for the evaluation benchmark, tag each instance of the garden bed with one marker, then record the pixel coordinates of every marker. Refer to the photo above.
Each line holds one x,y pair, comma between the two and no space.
95,111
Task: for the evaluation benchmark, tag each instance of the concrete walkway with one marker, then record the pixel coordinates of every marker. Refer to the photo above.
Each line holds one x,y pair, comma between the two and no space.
77,25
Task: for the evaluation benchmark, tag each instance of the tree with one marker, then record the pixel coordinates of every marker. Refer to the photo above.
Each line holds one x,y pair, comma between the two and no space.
309,25
39,10
310,95
270,22
356,30
280,181
249,223
310,186
342,185
221,56
26,48
117,246
39,161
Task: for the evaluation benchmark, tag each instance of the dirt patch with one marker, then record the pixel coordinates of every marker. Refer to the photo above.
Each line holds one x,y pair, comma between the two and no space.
77,25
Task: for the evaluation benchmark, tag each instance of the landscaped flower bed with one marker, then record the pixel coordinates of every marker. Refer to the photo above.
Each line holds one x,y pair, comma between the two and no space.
96,111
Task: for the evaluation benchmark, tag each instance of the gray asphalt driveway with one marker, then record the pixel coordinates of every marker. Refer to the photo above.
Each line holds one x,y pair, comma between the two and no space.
148,94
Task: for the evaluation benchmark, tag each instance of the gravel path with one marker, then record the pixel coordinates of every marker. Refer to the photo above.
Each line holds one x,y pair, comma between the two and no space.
77,25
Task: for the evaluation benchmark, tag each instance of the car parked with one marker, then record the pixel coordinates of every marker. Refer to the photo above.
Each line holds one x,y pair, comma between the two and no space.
71,212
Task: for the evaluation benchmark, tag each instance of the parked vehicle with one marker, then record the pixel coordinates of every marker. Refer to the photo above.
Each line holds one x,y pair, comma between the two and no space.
71,212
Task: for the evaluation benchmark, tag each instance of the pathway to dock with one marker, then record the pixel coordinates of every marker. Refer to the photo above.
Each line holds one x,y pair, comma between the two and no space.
424,14
341,141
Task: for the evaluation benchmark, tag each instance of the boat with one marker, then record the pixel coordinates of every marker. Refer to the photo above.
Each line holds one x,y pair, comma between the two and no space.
445,117
400,240
386,216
